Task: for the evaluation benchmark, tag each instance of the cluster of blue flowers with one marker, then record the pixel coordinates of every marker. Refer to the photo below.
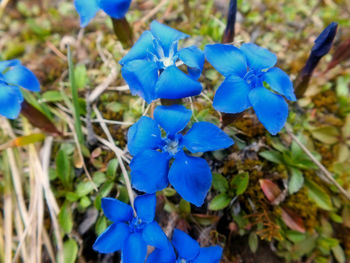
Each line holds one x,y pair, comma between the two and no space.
160,147
133,232
161,150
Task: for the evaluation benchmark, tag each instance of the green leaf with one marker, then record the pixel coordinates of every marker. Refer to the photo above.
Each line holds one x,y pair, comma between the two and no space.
295,236
52,96
104,190
339,254
65,218
84,188
63,168
99,178
272,156
275,142
240,182
253,242
219,202
101,225
185,207
112,168
318,195
296,181
70,250
84,202
326,134
220,183
80,76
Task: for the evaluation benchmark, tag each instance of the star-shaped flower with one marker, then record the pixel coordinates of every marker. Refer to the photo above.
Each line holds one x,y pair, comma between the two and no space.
150,68
190,176
128,233
247,71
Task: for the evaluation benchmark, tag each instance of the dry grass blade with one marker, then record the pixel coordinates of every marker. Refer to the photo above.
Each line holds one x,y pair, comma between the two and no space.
111,145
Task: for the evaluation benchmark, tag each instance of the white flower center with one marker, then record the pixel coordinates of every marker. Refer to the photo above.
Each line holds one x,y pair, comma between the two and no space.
167,61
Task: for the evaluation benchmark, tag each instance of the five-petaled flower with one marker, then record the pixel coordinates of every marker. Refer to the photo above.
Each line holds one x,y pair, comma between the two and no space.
247,70
14,76
150,67
128,233
190,176
87,9
188,250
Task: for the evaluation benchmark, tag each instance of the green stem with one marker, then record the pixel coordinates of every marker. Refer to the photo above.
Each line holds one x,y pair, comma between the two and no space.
75,97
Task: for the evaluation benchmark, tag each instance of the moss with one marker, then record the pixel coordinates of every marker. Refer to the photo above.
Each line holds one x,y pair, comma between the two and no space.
304,207
250,126
117,132
326,101
326,152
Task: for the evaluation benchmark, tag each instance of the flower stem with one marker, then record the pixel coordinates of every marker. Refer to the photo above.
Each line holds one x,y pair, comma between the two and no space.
123,31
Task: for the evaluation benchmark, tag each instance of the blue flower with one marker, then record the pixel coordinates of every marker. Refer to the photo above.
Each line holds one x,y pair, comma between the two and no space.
128,233
14,76
150,67
190,176
246,70
188,250
87,9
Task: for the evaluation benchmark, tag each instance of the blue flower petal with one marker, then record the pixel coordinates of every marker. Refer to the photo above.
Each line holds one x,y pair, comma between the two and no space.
209,255
10,101
166,255
280,82
271,109
226,59
86,10
258,58
135,249
167,36
172,119
204,137
174,84
144,134
232,95
115,8
193,58
142,49
145,206
186,247
8,63
141,76
154,236
115,210
23,77
191,178
149,171
112,239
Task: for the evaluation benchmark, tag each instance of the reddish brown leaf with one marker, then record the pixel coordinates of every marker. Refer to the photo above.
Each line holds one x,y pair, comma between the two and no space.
341,53
38,119
292,220
270,189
